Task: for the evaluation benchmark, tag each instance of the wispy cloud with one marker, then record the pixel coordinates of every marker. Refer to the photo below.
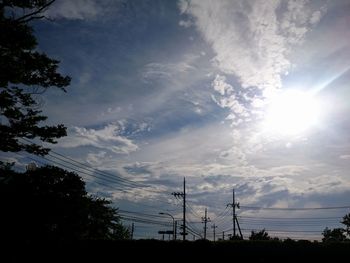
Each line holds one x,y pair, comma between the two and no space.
96,159
252,43
345,156
253,39
79,9
158,71
107,138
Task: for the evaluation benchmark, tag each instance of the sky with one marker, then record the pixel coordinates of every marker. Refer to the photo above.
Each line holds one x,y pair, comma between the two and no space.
250,95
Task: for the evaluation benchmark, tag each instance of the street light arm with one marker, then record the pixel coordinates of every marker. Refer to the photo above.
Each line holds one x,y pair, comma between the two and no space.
162,213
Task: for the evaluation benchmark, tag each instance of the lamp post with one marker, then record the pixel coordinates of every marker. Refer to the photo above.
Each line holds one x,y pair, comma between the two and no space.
161,213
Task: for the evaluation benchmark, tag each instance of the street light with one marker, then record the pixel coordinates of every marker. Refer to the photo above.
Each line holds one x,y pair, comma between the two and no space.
161,213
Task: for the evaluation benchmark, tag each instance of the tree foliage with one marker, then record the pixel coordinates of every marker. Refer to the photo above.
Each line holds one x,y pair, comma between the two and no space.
50,203
24,73
260,235
338,234
346,222
333,235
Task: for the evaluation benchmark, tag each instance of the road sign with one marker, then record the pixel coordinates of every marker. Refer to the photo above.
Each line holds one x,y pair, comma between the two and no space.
168,232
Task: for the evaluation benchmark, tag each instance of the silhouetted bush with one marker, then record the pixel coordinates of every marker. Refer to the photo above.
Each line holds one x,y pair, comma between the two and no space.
50,203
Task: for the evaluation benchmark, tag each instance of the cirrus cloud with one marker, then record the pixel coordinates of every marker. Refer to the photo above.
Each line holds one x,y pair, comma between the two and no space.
108,138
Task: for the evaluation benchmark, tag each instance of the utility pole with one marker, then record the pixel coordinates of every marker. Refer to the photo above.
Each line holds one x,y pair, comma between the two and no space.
205,219
239,228
183,194
184,212
223,235
234,216
175,229
234,212
213,227
132,231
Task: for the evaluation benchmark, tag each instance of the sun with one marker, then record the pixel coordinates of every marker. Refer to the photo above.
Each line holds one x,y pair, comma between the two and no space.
291,112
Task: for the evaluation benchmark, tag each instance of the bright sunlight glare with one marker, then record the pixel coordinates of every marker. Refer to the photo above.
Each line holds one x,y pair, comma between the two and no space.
292,112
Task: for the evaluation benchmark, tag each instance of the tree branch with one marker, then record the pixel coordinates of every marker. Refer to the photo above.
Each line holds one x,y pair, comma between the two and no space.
32,18
32,15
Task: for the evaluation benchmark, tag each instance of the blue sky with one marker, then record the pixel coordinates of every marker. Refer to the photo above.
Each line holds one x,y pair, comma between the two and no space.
166,89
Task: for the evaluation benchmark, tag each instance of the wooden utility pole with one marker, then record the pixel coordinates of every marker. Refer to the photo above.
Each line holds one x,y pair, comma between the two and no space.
213,227
183,195
234,213
184,212
205,219
132,231
234,216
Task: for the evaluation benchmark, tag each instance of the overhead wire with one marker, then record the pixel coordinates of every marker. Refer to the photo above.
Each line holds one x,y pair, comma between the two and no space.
102,181
295,208
289,218
86,166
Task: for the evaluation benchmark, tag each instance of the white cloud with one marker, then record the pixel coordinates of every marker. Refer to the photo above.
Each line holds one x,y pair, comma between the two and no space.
229,100
252,39
185,23
78,9
345,156
96,158
107,138
156,71
315,17
220,85
183,5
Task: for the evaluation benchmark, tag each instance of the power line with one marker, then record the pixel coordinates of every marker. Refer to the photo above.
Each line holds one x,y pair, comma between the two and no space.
279,231
224,219
139,213
194,228
191,229
221,214
127,191
192,210
70,168
141,220
295,208
290,225
116,179
289,218
84,166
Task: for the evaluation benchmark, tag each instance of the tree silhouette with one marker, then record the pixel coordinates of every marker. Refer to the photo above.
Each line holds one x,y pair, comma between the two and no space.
50,203
25,73
346,222
333,235
337,234
260,235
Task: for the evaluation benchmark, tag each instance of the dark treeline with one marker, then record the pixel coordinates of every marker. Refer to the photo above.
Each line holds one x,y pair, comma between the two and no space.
49,203
155,250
